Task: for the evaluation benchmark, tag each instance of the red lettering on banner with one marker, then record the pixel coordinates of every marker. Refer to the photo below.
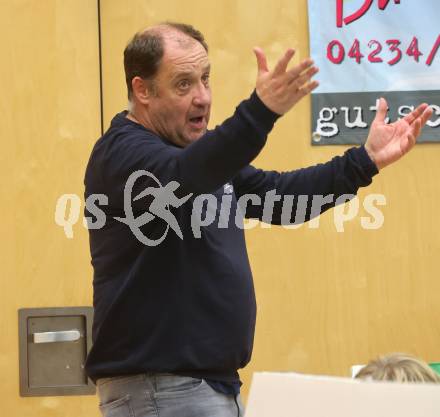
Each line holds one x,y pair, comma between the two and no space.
433,51
330,52
394,47
355,51
413,49
336,51
378,48
340,20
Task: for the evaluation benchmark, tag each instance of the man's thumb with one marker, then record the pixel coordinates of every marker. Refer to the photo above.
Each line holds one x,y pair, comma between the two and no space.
261,60
382,109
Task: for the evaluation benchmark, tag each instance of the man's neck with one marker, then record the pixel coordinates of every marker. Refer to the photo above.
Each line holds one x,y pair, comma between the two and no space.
132,117
137,117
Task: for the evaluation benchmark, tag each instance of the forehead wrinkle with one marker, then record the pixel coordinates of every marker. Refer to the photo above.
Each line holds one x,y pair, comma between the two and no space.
189,67
187,64
189,61
195,54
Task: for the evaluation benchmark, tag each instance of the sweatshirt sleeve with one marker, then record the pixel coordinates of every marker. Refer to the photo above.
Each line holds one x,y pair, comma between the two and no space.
341,176
201,167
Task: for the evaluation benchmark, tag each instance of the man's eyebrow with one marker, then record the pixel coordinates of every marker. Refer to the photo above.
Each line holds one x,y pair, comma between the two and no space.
183,73
177,74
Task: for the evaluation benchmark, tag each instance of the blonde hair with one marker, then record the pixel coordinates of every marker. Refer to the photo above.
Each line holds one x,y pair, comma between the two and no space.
398,367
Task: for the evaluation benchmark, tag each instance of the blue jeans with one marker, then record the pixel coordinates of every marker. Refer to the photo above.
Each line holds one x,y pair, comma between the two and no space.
164,395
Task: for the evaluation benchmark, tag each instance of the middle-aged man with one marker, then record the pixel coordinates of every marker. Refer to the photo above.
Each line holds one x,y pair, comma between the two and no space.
173,294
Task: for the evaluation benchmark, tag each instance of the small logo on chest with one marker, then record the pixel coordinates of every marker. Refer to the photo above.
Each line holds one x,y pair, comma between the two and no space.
228,188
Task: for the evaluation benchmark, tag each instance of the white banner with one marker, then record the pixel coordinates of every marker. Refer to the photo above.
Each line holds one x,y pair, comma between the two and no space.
366,49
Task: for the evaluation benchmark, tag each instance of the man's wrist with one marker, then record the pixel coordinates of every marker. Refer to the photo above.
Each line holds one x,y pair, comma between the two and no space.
263,114
371,155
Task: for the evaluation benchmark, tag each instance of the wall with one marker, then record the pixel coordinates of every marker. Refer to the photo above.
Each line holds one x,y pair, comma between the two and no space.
50,120
326,300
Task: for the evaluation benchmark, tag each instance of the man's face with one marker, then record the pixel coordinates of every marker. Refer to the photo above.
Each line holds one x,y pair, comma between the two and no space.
179,108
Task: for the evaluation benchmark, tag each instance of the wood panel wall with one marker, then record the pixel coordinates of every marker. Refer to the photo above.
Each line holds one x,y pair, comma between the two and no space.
326,300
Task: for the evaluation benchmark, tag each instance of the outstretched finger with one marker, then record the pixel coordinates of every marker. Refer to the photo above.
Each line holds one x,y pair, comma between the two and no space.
298,69
410,117
382,109
412,136
416,128
281,66
261,60
306,89
426,115
303,78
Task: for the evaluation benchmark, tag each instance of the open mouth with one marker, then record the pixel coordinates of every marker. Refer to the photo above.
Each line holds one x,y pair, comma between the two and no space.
197,122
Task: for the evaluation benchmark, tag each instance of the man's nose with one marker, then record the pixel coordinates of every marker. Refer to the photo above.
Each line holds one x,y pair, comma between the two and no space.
202,95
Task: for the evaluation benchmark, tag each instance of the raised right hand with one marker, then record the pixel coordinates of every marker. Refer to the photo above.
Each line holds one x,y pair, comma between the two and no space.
280,89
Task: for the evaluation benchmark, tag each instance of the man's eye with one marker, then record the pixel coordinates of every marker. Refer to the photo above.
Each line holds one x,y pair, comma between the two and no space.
183,84
205,79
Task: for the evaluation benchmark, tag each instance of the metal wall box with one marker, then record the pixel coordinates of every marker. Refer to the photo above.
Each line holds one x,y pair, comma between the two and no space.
53,344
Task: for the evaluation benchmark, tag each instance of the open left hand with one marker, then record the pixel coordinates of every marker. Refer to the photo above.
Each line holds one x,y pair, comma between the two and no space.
386,143
281,88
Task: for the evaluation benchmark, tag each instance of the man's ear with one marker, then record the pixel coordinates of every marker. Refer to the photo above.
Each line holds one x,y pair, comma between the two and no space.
141,90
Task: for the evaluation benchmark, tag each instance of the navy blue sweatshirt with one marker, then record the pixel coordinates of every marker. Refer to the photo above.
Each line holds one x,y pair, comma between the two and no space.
187,306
